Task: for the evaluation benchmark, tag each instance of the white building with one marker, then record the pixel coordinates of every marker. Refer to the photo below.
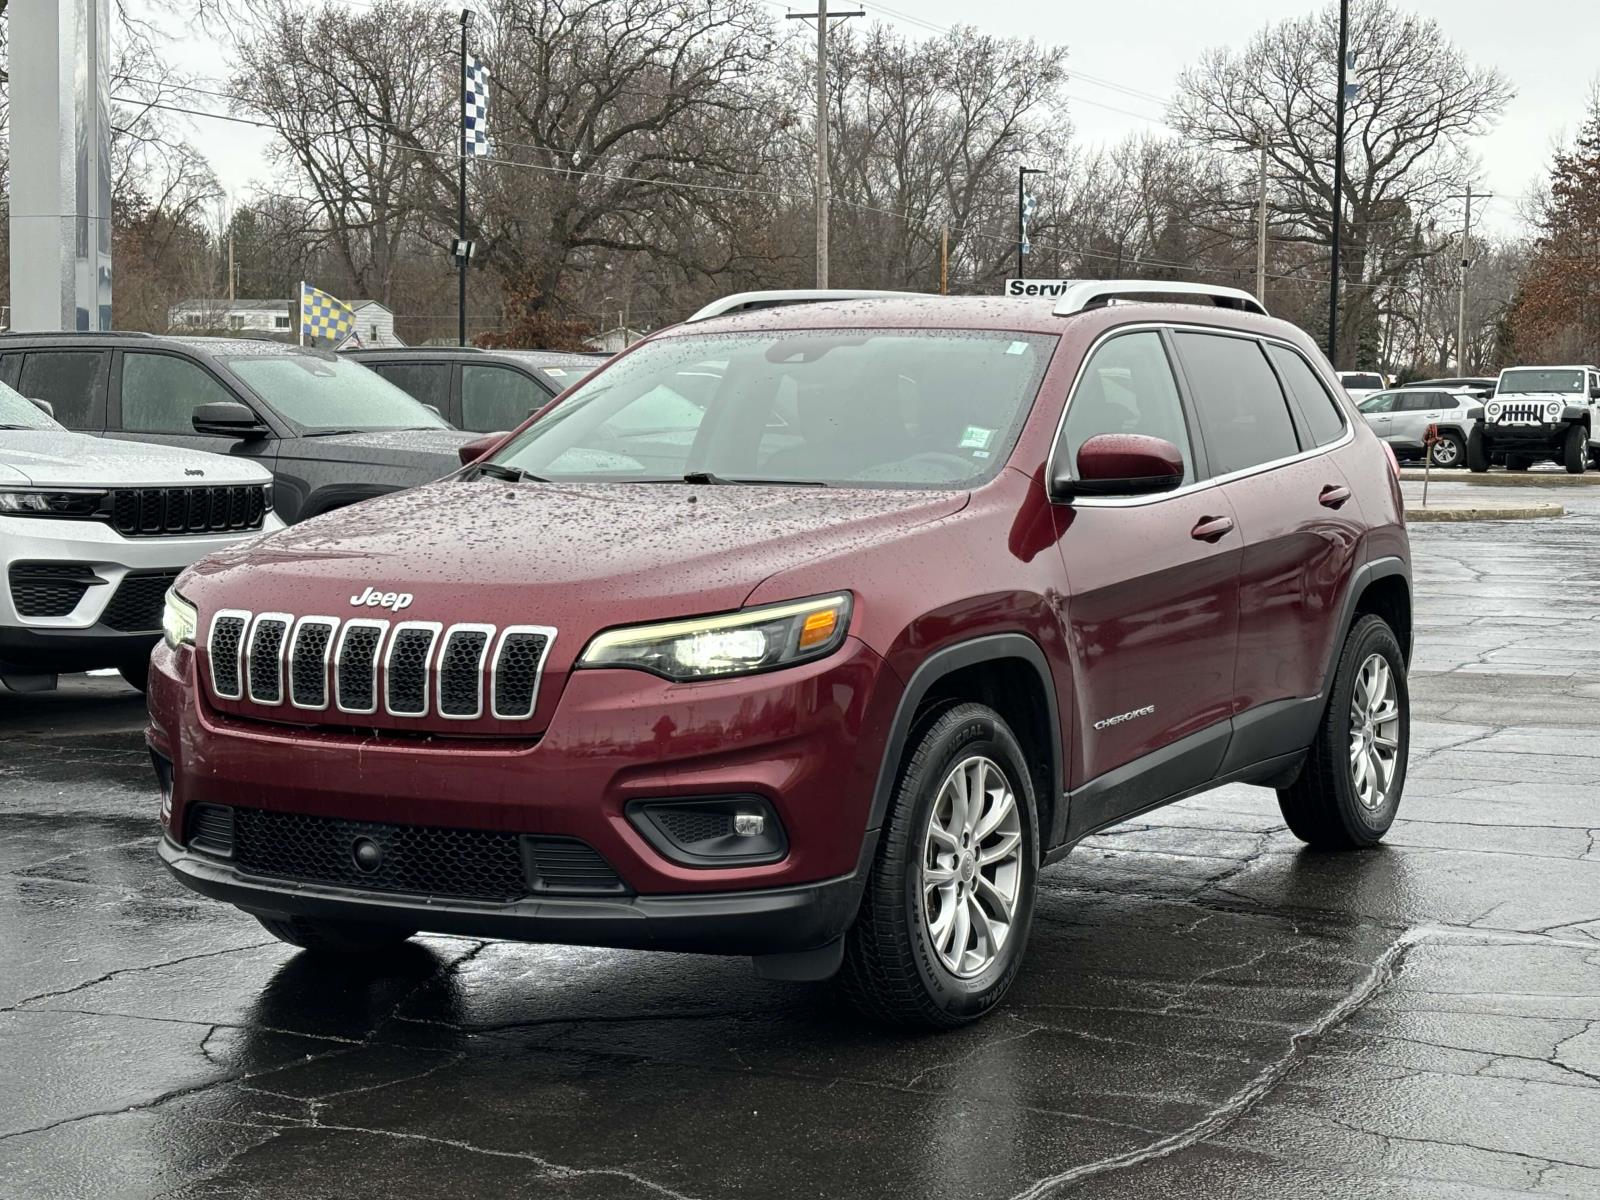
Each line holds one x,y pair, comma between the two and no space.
374,323
614,341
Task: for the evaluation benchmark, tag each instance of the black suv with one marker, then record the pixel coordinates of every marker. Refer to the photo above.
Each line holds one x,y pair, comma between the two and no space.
330,431
486,391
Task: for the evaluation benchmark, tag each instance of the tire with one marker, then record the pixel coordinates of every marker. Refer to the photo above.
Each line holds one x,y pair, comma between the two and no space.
335,937
136,674
1516,462
1449,451
1575,450
1477,456
1324,806
895,969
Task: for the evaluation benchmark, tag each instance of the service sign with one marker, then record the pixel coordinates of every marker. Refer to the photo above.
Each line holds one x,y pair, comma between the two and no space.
1037,287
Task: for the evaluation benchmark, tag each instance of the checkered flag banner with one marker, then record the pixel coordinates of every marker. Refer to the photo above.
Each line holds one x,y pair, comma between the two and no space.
322,316
475,114
1028,208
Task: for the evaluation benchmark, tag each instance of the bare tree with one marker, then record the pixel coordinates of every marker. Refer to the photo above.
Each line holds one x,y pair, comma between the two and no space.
1420,101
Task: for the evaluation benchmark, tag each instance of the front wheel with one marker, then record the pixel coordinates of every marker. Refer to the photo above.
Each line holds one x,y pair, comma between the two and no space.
1448,450
335,937
1349,789
1477,456
1575,450
949,901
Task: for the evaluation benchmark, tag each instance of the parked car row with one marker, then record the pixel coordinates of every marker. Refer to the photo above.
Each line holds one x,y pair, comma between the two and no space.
108,503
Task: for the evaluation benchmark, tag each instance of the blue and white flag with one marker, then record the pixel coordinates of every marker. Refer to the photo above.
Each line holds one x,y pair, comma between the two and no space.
1028,205
475,118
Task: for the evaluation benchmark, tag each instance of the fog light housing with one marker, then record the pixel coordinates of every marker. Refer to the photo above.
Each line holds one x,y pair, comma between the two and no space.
711,831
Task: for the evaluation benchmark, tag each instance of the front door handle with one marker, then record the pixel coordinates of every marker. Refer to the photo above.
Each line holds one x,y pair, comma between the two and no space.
1333,495
1210,529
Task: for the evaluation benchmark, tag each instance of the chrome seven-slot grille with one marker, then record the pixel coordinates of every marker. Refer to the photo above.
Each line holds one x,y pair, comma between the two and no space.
364,665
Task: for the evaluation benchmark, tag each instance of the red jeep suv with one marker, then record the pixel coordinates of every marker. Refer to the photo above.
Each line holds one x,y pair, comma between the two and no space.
808,631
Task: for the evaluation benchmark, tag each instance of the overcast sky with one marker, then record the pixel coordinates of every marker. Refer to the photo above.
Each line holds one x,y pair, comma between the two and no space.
1548,49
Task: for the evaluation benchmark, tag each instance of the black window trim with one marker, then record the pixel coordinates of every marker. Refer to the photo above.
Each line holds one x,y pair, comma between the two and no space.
1173,327
114,422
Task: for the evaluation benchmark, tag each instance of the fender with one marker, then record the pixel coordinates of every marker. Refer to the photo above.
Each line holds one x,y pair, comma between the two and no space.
1367,573
327,499
935,667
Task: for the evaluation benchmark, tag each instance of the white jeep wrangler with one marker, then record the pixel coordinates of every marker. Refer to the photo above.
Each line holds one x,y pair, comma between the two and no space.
1540,413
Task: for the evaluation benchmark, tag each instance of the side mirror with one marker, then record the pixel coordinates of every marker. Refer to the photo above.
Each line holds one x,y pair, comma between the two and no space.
44,406
1594,393
472,451
1120,464
228,418
434,409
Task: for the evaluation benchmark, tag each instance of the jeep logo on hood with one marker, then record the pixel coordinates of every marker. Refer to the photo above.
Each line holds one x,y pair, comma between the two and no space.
372,598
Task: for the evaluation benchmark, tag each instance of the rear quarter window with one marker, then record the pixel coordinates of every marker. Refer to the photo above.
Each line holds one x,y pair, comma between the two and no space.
1323,415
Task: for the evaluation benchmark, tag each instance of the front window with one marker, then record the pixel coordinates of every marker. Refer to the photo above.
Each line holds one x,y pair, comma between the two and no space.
323,394
1514,383
852,407
18,412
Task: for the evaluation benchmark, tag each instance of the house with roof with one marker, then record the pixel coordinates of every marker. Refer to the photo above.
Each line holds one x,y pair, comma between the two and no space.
275,320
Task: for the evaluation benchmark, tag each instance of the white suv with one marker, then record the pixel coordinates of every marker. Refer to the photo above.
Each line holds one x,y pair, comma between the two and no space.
92,534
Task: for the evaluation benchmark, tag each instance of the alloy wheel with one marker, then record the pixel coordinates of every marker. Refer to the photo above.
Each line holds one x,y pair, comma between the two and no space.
1444,453
1374,732
971,866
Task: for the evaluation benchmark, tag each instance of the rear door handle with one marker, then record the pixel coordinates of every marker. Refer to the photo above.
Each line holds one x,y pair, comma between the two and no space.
1210,529
1333,495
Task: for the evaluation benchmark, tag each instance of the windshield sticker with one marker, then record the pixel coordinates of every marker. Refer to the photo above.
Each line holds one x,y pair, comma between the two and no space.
976,438
1017,348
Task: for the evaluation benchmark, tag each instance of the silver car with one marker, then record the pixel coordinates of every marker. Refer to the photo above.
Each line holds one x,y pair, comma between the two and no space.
1401,417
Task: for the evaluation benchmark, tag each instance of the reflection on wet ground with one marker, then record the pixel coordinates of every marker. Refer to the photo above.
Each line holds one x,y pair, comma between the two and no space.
1207,1009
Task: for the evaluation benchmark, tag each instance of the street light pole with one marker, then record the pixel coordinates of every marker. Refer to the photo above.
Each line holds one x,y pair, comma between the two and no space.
1338,185
822,16
1261,227
1022,228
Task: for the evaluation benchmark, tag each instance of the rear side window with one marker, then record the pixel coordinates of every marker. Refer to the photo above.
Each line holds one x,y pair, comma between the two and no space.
1127,387
161,392
1322,414
1242,409
494,399
427,382
67,379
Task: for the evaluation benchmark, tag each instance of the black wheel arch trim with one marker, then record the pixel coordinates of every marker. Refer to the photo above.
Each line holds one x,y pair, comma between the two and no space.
342,495
1364,576
946,661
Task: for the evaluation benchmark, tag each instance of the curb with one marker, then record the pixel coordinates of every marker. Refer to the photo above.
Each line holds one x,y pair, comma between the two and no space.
1502,512
1499,478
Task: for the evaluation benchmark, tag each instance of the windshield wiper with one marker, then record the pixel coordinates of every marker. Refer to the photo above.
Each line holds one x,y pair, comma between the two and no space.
706,477
331,432
509,474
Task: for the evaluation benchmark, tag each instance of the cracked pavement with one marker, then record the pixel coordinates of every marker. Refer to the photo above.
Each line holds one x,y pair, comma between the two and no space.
1206,1008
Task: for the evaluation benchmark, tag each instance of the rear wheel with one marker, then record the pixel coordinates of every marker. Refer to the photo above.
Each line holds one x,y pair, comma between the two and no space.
949,902
1575,450
1449,450
335,937
1477,456
1349,790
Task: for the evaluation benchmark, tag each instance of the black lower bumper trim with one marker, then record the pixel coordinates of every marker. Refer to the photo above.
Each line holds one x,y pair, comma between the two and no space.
60,650
771,921
1542,439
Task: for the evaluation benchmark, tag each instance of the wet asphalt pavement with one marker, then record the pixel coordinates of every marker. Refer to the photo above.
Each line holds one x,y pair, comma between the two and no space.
1206,1009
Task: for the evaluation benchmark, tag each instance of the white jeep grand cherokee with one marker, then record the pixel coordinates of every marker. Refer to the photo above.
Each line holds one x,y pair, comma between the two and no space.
92,534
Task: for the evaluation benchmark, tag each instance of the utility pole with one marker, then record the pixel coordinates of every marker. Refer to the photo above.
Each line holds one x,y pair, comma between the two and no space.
822,16
231,275
1338,184
1461,291
1261,227
944,259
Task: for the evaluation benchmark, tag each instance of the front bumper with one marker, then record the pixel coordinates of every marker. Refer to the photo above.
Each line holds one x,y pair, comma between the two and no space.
759,923
1544,438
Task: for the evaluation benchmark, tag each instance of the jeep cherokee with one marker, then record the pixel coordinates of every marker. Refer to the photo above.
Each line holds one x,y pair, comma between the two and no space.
819,665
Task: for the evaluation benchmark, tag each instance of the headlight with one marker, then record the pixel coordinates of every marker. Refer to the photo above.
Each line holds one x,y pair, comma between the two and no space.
37,502
178,620
757,639
1552,410
1494,412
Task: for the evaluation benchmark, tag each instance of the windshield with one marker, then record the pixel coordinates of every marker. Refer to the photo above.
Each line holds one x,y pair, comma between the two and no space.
18,412
856,407
1521,382
1361,381
324,393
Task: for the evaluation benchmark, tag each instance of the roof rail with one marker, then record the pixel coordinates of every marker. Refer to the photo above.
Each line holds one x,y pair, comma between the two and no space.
1093,293
50,333
750,301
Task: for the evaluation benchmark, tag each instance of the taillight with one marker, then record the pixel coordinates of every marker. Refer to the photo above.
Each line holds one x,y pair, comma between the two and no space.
1394,463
